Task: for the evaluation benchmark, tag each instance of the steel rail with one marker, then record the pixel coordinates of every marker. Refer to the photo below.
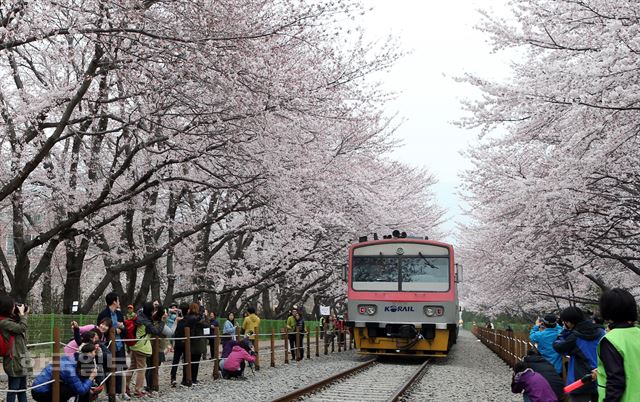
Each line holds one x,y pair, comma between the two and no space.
316,386
409,383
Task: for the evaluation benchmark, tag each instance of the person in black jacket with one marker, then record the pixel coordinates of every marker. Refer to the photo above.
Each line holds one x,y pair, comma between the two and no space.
196,320
539,364
579,340
113,312
178,347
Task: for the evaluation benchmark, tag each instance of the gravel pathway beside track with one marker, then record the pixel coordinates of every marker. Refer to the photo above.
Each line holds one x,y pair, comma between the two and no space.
262,385
471,373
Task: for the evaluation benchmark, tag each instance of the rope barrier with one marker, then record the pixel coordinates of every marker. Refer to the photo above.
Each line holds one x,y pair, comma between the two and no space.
30,345
105,379
28,388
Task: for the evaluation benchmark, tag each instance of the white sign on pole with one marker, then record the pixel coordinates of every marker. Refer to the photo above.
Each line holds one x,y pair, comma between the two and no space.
74,306
325,310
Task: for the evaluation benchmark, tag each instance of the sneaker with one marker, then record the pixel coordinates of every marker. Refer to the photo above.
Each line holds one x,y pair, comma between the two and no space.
174,384
124,397
139,394
195,382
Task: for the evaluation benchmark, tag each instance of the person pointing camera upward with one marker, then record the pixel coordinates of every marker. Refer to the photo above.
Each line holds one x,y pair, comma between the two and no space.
13,346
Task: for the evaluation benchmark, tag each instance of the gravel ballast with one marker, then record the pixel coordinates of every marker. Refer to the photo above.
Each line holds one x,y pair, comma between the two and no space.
471,373
262,385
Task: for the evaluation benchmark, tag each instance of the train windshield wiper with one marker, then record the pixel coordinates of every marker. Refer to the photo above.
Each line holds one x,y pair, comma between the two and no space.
427,261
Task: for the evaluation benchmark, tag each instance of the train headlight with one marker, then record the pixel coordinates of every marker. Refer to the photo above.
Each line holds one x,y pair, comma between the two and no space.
367,309
433,311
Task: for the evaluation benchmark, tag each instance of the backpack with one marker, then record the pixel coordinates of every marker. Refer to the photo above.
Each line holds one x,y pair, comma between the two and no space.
130,325
6,347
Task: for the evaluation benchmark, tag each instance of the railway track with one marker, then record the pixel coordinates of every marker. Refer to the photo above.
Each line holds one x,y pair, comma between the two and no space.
370,381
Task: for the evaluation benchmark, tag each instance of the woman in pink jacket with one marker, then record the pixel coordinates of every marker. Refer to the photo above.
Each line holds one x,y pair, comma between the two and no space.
73,346
233,366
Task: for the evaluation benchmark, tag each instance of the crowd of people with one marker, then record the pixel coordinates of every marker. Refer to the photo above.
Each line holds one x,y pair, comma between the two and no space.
87,357
603,354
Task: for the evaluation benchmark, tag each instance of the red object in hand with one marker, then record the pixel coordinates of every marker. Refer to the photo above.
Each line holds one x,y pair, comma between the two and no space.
577,384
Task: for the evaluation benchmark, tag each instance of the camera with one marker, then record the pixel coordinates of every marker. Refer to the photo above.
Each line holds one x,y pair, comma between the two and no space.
15,308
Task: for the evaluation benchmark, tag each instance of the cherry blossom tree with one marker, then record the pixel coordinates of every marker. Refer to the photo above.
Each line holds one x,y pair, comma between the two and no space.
168,149
553,190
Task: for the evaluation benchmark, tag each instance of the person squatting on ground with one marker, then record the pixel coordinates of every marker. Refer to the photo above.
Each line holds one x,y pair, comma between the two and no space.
535,386
540,365
618,372
178,345
142,348
13,329
543,334
112,311
102,355
579,340
196,320
74,382
233,365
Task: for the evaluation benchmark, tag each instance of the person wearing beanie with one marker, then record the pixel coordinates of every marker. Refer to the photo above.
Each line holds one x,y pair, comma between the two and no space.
543,334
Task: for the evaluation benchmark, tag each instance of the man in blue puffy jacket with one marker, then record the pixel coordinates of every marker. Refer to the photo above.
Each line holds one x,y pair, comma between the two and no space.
543,334
73,383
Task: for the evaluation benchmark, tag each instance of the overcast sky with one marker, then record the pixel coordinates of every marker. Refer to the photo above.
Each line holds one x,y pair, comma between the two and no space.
443,45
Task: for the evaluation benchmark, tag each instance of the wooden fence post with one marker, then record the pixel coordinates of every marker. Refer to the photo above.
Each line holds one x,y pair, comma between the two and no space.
286,345
155,358
273,347
317,343
187,354
256,346
326,344
56,365
308,331
340,334
216,353
112,365
298,343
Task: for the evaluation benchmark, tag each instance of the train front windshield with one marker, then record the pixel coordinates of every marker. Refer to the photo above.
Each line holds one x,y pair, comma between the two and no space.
411,273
